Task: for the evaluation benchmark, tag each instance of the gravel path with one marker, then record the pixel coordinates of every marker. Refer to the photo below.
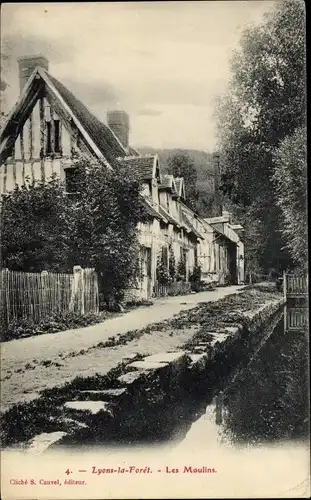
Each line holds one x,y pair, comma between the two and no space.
32,364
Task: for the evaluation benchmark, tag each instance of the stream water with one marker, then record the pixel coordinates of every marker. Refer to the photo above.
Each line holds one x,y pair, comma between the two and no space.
250,432
262,401
266,400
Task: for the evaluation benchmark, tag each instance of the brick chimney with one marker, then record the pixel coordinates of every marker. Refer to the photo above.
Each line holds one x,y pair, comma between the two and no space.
119,123
27,64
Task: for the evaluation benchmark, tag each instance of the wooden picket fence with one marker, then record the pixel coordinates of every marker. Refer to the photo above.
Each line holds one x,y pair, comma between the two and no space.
36,296
295,285
295,318
175,288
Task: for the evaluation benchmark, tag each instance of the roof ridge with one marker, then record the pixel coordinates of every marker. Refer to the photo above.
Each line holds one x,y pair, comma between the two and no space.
100,133
133,157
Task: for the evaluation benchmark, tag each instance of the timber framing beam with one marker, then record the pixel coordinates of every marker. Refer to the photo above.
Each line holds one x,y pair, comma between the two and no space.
68,122
18,118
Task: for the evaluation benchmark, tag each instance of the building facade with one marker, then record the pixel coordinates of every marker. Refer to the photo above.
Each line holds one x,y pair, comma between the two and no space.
49,129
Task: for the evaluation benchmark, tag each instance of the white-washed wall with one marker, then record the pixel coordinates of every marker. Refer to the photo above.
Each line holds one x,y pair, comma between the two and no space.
26,163
240,262
145,189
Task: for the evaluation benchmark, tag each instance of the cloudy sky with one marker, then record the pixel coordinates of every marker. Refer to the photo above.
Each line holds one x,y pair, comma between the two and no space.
163,62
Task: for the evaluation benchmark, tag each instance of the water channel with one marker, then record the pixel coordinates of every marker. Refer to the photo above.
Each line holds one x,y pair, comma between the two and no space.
251,430
266,400
263,400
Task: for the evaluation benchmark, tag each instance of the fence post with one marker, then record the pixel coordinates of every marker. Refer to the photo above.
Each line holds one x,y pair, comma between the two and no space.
284,285
96,292
77,289
4,298
44,276
82,308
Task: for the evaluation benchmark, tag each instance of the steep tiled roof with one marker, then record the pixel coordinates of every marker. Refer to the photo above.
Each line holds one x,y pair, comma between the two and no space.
168,217
100,133
152,211
142,166
190,226
133,151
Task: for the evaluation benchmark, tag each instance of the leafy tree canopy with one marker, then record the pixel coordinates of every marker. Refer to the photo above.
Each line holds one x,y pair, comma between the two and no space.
181,165
290,179
44,228
264,104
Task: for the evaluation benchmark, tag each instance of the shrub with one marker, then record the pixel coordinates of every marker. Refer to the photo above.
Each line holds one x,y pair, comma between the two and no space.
181,270
195,279
172,264
162,271
56,322
42,228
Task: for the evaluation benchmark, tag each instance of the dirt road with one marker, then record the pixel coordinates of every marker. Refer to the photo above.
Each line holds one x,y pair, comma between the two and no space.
32,364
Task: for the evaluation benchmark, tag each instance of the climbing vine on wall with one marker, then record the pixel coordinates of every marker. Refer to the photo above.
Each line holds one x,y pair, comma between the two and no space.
181,270
172,263
162,269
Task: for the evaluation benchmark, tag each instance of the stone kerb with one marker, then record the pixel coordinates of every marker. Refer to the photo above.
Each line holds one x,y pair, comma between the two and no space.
137,400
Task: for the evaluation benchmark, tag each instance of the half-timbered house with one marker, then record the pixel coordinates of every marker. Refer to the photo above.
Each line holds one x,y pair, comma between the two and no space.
49,129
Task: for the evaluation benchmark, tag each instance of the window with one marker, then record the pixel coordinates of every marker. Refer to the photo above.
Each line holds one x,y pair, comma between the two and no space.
71,180
48,138
57,137
57,146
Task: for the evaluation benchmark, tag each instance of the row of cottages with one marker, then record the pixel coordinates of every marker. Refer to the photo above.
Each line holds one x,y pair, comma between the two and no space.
49,129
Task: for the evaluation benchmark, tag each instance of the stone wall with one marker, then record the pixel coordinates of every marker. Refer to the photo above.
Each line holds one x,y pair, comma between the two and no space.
145,398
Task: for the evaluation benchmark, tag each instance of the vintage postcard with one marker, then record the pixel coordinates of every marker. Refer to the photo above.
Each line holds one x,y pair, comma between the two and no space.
153,257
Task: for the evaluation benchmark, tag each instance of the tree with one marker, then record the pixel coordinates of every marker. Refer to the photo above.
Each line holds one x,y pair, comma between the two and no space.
36,223
181,165
290,179
43,228
108,210
265,103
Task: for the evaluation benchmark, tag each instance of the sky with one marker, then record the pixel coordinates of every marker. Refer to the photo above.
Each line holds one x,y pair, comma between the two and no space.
164,63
